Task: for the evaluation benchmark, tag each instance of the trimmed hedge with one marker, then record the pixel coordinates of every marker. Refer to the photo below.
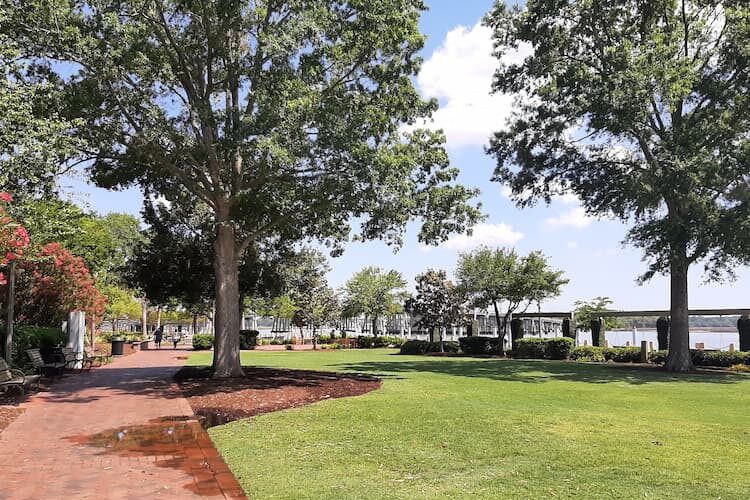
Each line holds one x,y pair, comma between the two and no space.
554,348
479,345
662,332
723,359
588,354
424,347
623,354
248,339
743,328
364,342
203,341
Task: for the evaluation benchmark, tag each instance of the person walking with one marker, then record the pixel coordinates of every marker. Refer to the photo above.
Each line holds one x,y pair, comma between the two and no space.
176,337
158,335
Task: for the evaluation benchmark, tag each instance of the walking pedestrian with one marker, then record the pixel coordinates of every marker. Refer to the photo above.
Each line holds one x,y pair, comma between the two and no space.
158,336
176,336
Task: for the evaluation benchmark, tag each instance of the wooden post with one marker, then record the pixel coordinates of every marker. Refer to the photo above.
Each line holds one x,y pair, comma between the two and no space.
643,358
9,319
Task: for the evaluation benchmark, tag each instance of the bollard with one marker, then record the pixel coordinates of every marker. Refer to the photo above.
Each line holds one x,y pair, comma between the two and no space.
643,358
606,344
627,343
650,346
731,347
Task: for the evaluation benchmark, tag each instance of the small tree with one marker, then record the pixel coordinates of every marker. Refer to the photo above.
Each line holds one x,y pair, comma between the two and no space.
438,303
492,277
585,311
375,293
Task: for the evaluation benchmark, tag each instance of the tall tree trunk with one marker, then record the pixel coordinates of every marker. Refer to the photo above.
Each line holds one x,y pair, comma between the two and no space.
158,317
500,330
679,359
374,326
227,321
195,323
144,317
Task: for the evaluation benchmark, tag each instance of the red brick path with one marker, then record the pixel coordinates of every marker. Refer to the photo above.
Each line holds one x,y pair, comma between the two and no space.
120,431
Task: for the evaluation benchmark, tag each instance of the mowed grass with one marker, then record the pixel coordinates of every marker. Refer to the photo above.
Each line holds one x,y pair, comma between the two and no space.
486,428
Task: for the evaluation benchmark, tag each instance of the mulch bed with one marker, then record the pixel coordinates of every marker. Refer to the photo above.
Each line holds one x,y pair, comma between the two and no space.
264,390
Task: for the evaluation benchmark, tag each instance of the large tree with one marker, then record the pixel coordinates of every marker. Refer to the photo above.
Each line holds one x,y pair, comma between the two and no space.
438,303
493,277
283,118
640,109
375,293
36,141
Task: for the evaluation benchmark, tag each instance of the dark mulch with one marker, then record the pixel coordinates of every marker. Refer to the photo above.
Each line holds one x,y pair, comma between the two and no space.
264,390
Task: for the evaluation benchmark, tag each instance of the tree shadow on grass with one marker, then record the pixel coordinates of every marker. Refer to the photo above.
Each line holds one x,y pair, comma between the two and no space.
537,371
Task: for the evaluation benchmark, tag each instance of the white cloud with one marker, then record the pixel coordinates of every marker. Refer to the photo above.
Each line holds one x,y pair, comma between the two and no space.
575,218
566,199
459,73
491,235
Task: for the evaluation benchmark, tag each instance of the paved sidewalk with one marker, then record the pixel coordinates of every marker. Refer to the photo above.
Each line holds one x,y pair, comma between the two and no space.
120,431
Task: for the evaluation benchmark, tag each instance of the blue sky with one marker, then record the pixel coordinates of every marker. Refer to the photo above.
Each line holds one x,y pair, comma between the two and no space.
457,71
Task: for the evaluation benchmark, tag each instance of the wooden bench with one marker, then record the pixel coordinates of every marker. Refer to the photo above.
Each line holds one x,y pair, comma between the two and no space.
10,377
47,369
100,359
73,359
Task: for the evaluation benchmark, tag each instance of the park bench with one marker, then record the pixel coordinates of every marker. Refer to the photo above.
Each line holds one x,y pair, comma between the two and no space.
97,358
72,359
47,369
10,377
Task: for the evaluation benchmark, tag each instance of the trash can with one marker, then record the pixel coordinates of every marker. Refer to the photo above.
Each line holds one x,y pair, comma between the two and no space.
117,347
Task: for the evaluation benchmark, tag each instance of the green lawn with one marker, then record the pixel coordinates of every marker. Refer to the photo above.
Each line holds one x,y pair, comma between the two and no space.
483,428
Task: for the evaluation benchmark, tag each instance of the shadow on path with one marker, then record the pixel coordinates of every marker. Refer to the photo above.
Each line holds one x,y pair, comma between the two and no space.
535,372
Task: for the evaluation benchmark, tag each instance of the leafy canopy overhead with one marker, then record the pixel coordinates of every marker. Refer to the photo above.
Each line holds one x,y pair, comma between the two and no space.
284,118
639,108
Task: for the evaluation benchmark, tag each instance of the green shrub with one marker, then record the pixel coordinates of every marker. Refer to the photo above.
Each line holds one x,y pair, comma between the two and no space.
276,342
479,345
364,342
516,331
662,332
559,347
598,329
265,342
248,339
700,357
554,348
424,347
623,354
658,357
530,348
589,354
719,358
743,327
323,339
107,337
203,341
388,341
566,329
741,367
335,345
32,337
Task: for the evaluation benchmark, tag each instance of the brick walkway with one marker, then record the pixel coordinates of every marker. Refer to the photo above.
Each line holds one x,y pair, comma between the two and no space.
120,431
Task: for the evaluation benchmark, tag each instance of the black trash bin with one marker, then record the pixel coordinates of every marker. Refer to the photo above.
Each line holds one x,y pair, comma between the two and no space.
117,347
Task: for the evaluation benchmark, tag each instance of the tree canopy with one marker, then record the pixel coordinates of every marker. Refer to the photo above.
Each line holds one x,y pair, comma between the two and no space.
497,277
374,292
640,109
438,302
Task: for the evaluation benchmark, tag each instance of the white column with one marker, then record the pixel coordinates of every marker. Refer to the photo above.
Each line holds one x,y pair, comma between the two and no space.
76,332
